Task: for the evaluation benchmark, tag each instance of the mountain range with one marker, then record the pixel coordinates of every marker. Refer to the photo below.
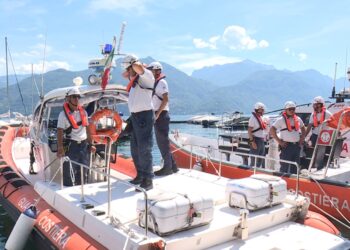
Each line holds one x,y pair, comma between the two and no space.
217,89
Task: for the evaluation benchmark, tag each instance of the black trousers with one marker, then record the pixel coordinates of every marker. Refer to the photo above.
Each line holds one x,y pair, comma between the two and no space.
161,129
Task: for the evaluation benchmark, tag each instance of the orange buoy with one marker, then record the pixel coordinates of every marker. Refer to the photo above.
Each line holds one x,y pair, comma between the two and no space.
100,136
316,220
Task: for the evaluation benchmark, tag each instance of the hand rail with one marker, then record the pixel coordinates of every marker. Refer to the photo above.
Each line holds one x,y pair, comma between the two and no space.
207,156
109,177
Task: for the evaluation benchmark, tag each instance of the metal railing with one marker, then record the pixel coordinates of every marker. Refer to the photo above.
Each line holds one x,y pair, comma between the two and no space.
219,159
107,175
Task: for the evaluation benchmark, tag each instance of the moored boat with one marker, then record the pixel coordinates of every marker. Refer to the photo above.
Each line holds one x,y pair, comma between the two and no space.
327,188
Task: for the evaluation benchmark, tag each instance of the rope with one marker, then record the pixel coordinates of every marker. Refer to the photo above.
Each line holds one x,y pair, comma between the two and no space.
324,193
329,215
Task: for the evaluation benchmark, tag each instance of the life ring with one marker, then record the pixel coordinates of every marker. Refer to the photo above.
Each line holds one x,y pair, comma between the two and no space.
101,136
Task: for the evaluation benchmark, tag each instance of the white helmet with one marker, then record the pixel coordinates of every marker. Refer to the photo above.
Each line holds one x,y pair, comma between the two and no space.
289,104
155,65
259,105
73,91
128,61
318,99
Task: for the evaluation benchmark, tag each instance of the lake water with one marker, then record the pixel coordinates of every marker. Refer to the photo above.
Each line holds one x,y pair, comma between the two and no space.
6,223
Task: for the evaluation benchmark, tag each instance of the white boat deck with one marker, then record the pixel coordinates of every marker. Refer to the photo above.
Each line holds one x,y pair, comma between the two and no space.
269,228
226,219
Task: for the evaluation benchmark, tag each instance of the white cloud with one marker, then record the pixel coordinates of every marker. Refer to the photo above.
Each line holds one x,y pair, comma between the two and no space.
11,5
34,51
107,5
204,61
300,56
38,67
235,37
263,44
40,36
211,44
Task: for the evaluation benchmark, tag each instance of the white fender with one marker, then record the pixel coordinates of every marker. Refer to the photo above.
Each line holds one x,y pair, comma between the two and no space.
22,229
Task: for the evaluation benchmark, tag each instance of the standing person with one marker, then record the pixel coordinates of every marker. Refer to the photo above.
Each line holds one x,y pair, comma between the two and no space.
319,115
140,105
160,101
257,131
292,135
73,137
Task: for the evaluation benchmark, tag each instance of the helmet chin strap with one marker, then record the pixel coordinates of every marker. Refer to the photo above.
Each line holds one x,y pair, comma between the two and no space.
72,104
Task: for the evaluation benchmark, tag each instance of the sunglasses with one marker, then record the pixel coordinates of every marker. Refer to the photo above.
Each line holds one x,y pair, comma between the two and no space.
291,109
75,96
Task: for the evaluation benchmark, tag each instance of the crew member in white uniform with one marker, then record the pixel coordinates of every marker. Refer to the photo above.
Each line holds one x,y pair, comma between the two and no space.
161,126
73,138
257,132
292,136
140,88
319,115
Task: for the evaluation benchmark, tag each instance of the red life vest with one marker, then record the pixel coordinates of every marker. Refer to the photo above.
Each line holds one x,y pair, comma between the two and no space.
296,122
323,116
70,117
262,124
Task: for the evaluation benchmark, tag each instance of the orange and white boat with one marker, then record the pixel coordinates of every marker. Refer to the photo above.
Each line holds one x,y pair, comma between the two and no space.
186,210
204,212
327,186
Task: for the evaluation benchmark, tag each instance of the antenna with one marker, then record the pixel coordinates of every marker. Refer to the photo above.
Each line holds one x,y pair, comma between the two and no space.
335,77
346,63
42,73
121,38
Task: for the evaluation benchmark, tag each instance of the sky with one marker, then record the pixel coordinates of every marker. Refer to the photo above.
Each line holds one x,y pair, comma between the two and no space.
289,34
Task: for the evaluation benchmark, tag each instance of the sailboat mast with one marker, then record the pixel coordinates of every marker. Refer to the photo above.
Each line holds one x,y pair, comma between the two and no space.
7,79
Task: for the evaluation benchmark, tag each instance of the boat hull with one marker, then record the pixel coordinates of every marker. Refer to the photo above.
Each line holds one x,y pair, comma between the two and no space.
51,230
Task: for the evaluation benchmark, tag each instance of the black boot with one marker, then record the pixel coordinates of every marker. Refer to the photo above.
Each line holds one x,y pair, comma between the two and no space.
137,180
146,184
163,172
175,169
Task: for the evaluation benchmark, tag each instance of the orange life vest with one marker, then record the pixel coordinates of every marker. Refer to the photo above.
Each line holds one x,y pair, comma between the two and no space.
132,83
289,126
262,124
323,116
70,117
